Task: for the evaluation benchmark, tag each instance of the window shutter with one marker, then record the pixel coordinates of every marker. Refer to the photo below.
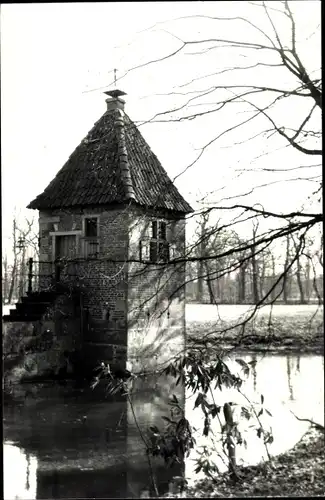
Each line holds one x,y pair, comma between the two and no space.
153,251
163,251
170,231
162,230
144,251
154,229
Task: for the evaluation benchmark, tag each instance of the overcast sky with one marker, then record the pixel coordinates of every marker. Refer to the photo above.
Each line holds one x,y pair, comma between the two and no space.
55,56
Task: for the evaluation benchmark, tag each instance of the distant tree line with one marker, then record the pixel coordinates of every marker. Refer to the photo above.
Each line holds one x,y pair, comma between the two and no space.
237,278
246,277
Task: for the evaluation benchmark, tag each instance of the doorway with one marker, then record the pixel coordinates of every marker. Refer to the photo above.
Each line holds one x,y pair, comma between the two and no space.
65,254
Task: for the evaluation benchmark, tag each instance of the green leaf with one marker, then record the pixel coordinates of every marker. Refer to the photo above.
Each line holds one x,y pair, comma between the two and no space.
268,412
200,370
214,410
262,398
174,399
154,429
198,400
168,420
241,362
260,412
244,365
245,413
205,403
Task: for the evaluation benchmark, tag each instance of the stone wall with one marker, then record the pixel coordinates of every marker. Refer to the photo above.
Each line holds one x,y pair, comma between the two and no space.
41,348
19,336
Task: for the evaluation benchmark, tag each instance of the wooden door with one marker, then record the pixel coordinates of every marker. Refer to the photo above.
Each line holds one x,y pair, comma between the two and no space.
65,252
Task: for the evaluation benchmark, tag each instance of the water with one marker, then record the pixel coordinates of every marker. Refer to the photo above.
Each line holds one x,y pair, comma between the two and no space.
288,384
63,443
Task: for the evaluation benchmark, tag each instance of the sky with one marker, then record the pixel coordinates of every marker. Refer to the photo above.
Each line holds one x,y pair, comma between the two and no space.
58,59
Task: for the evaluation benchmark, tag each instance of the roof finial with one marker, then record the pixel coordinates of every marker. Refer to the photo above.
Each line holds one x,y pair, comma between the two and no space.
115,71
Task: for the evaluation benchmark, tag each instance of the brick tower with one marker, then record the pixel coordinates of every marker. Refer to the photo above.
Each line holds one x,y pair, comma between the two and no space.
112,225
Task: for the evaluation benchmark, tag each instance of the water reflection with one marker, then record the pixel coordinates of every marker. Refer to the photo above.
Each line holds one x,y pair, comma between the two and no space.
19,473
86,446
283,389
298,364
254,371
289,378
64,443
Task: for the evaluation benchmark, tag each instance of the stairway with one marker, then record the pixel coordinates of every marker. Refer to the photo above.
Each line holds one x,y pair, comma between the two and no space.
32,306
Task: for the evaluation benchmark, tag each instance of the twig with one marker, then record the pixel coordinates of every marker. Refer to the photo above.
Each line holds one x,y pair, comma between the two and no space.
146,445
318,426
259,421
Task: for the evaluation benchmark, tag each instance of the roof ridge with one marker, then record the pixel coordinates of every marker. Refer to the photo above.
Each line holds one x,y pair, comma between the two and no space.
123,157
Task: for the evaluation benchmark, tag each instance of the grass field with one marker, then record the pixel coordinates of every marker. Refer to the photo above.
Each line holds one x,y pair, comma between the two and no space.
294,327
207,312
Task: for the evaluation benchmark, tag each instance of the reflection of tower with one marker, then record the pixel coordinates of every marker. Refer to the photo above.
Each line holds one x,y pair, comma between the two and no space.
27,485
148,411
254,361
298,364
291,397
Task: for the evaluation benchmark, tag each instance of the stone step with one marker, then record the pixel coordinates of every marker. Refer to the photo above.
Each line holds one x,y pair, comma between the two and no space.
32,306
35,306
39,297
18,318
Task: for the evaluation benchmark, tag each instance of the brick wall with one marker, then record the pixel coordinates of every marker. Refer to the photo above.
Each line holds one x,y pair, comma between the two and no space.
128,305
101,280
156,309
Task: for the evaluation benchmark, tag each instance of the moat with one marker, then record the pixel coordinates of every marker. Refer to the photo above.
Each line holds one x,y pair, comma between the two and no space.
63,442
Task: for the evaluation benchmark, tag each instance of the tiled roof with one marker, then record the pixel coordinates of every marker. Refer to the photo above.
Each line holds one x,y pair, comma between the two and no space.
113,164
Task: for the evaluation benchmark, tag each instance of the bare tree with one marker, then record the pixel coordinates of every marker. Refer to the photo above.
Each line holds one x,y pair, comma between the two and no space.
15,259
286,275
254,268
24,240
213,274
5,280
273,276
255,110
202,249
307,275
242,280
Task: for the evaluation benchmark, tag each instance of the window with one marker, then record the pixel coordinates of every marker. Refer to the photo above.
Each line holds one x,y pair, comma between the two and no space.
91,236
91,227
159,251
158,230
154,231
162,230
157,248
